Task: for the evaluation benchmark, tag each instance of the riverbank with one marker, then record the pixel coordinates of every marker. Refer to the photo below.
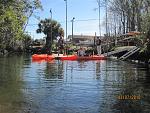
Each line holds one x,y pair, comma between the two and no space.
130,53
4,52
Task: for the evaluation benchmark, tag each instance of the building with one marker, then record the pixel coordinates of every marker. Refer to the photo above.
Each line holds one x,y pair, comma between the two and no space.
84,40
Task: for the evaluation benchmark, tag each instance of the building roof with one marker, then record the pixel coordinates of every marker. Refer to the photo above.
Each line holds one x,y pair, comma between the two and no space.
89,37
132,33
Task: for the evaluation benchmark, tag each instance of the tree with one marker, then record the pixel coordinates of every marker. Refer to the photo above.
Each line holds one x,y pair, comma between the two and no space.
131,14
134,16
14,16
52,29
26,40
30,7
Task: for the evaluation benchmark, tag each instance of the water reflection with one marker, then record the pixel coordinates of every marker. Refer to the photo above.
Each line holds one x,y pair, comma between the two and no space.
72,86
11,96
54,70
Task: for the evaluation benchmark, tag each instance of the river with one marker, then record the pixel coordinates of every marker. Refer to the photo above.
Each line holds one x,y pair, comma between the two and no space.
109,86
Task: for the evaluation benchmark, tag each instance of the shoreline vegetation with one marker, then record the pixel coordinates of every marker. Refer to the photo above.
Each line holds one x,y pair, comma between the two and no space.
14,18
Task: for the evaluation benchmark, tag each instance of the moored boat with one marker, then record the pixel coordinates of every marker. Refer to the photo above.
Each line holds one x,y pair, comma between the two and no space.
93,57
42,57
67,57
75,57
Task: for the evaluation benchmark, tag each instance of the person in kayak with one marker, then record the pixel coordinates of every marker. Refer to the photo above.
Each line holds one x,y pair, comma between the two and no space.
81,52
60,45
98,44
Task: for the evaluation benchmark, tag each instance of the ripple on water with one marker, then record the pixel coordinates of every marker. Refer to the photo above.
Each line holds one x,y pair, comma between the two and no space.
72,86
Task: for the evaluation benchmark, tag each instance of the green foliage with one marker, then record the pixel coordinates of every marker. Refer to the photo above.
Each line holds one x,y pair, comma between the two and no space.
132,14
146,22
49,26
14,16
11,26
45,27
26,40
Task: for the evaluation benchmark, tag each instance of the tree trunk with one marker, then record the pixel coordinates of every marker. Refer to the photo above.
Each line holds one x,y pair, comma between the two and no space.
124,25
133,16
138,12
48,43
139,22
128,21
133,21
123,22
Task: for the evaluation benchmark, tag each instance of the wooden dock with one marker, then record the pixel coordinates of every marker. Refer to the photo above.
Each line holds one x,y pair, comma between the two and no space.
129,53
119,50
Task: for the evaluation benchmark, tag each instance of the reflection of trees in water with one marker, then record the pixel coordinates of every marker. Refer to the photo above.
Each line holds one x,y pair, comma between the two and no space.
98,67
27,59
81,64
54,70
147,78
118,78
133,80
10,84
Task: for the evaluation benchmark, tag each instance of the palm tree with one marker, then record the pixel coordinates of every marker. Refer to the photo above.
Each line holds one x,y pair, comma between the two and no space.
52,29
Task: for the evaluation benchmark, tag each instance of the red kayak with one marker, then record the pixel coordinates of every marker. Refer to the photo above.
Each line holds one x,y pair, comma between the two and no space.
42,57
74,57
94,57
67,57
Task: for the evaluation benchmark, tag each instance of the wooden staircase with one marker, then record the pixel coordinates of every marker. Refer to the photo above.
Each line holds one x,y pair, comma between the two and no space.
128,54
115,52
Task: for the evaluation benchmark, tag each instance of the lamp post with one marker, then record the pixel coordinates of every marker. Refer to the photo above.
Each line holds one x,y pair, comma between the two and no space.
72,26
106,26
99,5
66,18
51,30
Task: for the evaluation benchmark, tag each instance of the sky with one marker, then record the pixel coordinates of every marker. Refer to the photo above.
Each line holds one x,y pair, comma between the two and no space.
86,20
